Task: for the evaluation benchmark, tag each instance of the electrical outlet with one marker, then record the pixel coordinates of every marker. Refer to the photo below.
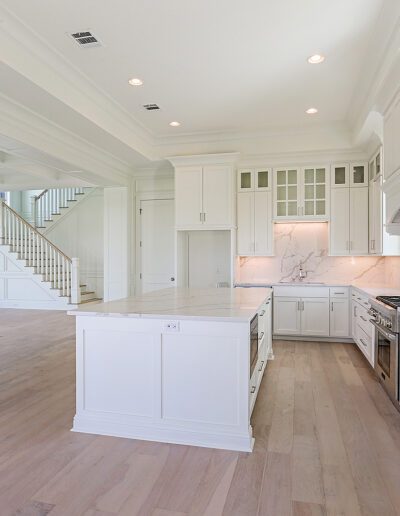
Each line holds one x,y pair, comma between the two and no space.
171,326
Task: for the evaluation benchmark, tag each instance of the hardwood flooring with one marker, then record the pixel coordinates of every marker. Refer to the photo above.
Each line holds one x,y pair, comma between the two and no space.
327,440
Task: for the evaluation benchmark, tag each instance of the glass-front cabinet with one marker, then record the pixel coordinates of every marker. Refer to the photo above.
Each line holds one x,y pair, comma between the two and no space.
254,180
344,175
301,194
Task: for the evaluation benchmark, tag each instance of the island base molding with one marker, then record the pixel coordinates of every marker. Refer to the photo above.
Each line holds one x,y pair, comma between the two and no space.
115,428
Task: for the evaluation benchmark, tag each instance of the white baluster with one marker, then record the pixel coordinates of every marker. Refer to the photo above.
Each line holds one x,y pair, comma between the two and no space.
2,221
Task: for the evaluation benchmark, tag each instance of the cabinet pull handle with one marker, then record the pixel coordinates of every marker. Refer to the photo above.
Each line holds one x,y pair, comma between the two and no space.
261,366
262,313
201,217
331,306
261,336
302,306
363,318
355,311
363,343
253,389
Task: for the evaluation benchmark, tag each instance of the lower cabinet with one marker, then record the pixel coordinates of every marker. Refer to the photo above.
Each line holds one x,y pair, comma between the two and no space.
311,311
362,331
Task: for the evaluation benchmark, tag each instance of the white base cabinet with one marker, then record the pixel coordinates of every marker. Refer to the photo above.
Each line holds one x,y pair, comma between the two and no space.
363,332
311,311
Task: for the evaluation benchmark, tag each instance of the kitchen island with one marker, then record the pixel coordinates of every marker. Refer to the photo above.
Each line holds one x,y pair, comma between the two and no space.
176,365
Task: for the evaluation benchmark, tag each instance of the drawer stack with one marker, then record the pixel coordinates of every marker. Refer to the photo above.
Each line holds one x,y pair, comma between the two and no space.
362,330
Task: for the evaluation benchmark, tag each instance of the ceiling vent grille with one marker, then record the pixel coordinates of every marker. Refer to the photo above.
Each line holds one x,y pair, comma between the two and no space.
86,39
151,107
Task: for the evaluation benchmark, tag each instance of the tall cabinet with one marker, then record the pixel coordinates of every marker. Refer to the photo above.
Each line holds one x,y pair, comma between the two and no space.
349,210
254,213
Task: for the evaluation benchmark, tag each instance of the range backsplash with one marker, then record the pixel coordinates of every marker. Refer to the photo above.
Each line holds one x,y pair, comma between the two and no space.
307,243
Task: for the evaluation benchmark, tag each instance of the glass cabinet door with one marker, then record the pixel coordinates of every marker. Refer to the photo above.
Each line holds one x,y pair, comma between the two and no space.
262,179
340,176
245,180
287,193
315,192
358,174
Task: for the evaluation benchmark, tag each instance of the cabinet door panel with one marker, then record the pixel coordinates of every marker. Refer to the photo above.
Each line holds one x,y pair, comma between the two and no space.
217,195
358,221
359,174
340,176
339,318
245,222
286,316
188,194
340,221
315,317
245,179
263,227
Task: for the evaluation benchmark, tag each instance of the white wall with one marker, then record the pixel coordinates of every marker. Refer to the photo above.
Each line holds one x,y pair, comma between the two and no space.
79,233
116,243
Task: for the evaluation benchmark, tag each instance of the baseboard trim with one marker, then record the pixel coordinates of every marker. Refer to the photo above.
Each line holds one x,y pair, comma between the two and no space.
223,441
303,338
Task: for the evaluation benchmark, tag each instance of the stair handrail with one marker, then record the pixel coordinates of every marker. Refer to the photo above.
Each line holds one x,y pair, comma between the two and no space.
73,289
37,197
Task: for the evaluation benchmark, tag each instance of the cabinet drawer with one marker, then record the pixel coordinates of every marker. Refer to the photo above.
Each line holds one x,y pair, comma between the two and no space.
363,321
339,292
360,298
365,343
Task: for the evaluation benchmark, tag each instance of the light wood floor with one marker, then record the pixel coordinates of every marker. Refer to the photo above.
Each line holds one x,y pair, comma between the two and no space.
327,440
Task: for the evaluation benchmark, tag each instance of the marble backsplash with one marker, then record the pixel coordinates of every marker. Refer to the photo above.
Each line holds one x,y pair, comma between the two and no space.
307,244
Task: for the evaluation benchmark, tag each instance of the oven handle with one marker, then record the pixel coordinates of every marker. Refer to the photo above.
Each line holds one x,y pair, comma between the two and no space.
390,336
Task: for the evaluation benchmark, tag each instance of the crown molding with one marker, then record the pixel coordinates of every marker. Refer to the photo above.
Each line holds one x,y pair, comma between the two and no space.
52,72
29,128
222,158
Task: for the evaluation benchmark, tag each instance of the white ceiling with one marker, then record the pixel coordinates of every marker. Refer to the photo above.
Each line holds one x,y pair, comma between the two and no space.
216,66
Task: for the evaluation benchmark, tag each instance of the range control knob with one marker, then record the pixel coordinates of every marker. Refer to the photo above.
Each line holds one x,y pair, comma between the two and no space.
389,324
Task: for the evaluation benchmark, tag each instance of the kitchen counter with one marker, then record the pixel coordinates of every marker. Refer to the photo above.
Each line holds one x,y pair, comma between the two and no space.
176,365
222,304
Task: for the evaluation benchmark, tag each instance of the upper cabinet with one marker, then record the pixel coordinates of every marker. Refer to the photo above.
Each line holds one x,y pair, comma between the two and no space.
391,127
254,214
204,192
344,175
301,193
349,209
251,180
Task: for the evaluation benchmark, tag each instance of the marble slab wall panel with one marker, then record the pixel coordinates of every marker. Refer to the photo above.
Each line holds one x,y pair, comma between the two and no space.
307,244
392,270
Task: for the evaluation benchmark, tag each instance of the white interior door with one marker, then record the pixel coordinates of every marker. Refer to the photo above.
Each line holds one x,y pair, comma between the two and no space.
157,244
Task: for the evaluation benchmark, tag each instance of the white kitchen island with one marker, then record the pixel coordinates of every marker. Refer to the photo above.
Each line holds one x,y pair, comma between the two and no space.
172,366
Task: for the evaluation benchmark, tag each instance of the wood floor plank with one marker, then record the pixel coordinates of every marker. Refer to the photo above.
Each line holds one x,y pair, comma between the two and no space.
327,440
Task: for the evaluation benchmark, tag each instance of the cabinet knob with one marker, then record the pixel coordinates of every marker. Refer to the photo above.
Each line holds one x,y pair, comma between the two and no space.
172,279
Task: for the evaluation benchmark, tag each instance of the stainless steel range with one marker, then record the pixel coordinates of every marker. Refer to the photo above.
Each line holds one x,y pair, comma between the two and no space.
385,316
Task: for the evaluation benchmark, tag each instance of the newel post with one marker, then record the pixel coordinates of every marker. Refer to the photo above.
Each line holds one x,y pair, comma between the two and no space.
1,221
75,282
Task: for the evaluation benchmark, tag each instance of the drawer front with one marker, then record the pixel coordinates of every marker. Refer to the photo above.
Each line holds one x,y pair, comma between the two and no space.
360,298
364,342
301,291
339,292
363,320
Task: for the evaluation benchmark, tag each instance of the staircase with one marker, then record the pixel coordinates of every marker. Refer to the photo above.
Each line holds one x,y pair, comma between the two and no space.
32,263
49,207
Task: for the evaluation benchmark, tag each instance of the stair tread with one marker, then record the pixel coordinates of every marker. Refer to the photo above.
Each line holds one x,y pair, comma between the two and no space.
90,300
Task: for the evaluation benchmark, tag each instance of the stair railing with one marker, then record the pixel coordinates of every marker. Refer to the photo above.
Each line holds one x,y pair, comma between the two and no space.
50,201
41,254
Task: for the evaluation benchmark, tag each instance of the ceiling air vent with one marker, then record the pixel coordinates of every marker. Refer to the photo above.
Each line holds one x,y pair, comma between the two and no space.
151,107
85,39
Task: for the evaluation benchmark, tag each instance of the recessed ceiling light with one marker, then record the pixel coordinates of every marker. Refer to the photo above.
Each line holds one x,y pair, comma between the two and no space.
312,111
135,82
316,59
174,124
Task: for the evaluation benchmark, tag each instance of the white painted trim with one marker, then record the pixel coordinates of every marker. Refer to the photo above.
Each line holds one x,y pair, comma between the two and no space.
222,158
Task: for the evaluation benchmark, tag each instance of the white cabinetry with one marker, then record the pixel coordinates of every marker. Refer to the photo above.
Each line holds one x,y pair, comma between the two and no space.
301,193
363,332
254,214
301,311
204,192
391,138
339,312
311,311
349,210
380,241
254,179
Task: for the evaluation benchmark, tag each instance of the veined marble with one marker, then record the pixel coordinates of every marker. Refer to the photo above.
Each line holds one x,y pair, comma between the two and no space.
307,244
212,304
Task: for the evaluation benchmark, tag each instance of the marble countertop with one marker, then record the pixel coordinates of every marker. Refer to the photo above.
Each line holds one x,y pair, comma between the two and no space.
212,304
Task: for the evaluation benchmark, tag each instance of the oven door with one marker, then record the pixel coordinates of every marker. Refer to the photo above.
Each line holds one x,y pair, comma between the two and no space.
387,360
